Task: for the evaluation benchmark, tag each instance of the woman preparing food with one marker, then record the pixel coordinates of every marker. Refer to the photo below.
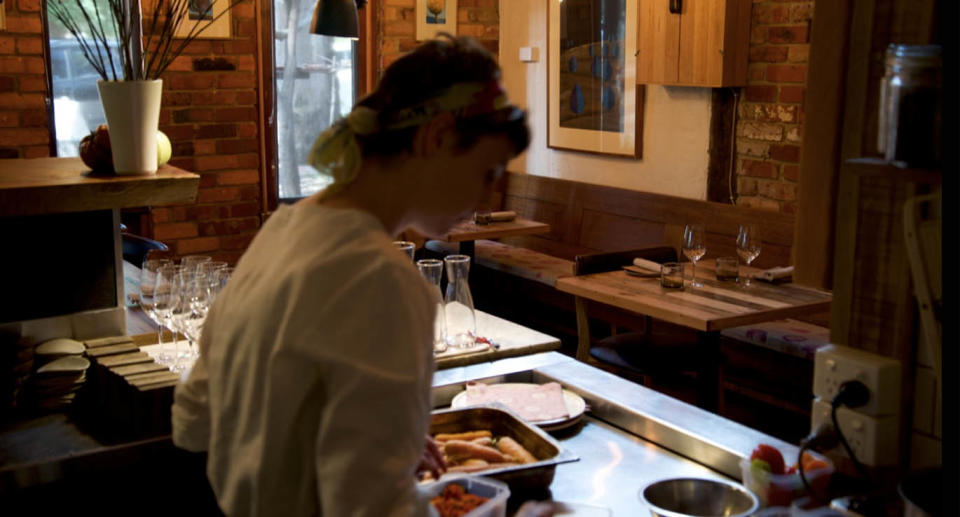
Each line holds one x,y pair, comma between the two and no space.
311,395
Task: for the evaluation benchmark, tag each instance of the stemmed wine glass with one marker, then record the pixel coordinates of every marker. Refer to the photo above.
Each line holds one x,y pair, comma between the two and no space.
748,246
164,301
148,282
694,248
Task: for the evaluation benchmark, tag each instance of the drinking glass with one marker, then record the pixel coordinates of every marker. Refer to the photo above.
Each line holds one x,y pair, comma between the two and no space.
727,269
407,247
432,271
180,312
458,312
671,275
164,299
198,297
748,246
694,248
192,262
223,276
148,283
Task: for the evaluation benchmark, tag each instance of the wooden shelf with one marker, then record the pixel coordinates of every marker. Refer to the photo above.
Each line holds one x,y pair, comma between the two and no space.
62,185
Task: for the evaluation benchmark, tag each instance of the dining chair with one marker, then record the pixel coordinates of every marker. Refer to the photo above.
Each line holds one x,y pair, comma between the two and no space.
661,354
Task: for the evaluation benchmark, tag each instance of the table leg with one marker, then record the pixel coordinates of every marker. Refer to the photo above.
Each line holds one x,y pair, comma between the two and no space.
708,371
467,248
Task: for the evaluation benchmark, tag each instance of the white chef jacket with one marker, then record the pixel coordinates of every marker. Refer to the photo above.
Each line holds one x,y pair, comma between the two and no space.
311,394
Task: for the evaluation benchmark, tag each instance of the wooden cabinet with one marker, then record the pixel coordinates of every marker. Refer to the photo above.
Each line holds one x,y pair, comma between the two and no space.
693,42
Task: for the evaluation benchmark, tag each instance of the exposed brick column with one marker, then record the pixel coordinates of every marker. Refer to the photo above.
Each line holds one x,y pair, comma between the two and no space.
477,18
23,83
209,111
771,108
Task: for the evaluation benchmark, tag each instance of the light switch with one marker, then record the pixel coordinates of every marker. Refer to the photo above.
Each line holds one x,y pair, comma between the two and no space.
529,54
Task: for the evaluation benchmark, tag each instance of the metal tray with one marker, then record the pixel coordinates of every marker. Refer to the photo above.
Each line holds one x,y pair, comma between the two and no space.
502,422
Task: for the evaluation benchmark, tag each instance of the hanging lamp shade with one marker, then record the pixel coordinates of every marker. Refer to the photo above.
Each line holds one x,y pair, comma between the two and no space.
335,18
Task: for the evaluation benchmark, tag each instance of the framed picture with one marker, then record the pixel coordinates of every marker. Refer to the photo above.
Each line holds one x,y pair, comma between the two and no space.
206,12
594,102
435,16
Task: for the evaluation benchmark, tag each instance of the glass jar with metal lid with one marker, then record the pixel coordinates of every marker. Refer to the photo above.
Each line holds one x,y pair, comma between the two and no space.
909,118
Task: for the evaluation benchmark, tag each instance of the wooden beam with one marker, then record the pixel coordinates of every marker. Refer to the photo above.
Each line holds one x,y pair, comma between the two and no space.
820,159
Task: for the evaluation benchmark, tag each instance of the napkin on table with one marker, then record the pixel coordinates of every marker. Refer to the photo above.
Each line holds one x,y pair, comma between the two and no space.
654,267
775,274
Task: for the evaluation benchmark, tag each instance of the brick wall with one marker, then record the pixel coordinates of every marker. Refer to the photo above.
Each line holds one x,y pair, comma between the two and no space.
210,114
209,111
770,116
23,114
477,18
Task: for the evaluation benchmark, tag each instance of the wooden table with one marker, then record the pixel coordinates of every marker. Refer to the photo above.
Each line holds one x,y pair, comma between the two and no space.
710,309
511,339
466,232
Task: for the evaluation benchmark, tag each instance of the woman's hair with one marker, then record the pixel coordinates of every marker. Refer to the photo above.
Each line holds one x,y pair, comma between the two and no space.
423,74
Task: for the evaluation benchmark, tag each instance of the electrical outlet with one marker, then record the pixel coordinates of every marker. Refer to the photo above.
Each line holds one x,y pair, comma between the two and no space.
874,439
835,364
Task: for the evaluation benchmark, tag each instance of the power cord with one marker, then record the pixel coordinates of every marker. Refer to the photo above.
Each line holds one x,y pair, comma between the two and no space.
852,394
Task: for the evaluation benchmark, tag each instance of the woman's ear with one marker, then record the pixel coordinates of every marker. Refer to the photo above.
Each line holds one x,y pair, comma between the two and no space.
437,135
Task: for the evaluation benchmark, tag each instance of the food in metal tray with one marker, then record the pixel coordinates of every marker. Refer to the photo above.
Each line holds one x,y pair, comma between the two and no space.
454,501
480,450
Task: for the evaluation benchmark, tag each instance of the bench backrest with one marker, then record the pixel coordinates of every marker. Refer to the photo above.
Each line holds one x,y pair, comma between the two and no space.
588,218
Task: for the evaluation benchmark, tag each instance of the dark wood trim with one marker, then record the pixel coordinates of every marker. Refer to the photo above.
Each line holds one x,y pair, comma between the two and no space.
269,187
48,78
368,49
813,242
722,111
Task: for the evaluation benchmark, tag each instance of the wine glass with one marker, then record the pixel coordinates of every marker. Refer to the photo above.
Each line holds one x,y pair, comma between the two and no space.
164,299
180,313
748,246
148,283
192,262
694,248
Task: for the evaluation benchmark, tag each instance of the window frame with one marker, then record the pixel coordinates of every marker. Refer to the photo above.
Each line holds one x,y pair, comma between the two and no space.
367,56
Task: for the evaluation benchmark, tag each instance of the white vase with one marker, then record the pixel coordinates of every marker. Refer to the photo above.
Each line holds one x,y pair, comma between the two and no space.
132,109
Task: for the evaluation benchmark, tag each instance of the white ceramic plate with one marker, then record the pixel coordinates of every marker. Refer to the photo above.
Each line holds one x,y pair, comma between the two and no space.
576,407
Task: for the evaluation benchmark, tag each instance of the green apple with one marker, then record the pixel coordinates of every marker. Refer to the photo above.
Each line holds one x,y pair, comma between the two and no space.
164,149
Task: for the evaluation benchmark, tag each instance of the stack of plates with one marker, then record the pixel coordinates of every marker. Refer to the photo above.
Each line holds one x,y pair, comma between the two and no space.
61,372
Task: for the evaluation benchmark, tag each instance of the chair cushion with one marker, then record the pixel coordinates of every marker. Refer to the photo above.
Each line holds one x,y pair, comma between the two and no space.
651,354
513,260
787,336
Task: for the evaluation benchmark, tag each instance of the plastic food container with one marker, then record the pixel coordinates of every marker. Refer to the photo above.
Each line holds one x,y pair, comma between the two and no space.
781,490
494,490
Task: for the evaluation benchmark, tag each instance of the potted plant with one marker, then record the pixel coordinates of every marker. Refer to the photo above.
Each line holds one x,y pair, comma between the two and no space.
130,85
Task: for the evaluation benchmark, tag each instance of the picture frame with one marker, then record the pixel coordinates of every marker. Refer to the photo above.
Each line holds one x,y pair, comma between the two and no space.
434,16
218,28
594,102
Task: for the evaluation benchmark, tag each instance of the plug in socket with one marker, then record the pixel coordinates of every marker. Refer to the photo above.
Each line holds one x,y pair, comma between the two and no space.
835,364
873,439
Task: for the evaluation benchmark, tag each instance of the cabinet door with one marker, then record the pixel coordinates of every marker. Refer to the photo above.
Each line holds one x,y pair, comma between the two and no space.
714,40
658,40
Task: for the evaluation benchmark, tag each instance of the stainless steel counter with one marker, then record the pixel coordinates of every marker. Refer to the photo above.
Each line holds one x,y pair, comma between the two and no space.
631,436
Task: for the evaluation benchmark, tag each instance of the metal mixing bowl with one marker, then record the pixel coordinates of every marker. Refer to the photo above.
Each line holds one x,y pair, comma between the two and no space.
696,497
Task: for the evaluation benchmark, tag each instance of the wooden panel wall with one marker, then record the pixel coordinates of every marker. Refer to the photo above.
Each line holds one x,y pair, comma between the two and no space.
585,218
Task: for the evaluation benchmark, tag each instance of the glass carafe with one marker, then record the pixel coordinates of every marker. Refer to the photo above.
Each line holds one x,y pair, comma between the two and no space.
461,320
432,271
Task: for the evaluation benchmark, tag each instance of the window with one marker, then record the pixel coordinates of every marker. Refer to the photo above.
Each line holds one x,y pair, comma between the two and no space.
76,102
315,83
